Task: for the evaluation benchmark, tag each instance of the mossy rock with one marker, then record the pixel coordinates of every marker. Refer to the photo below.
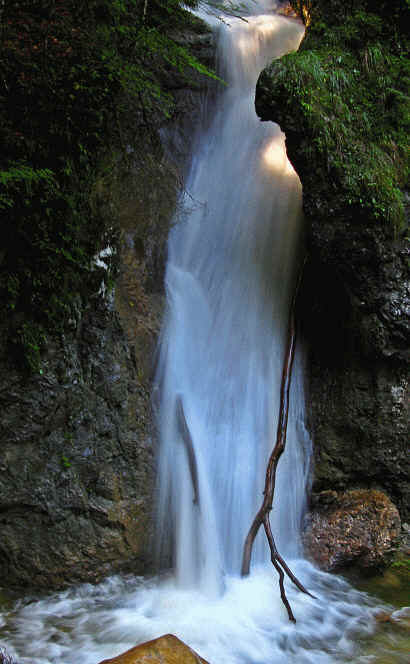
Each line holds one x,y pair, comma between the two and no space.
346,92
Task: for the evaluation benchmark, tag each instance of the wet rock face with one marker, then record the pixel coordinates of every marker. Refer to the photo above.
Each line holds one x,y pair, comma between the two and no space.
355,302
167,649
355,317
358,399
360,415
355,528
76,462
77,441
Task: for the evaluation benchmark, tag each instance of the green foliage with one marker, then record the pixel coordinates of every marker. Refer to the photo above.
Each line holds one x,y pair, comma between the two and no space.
335,12
403,564
71,74
30,339
351,81
20,178
66,464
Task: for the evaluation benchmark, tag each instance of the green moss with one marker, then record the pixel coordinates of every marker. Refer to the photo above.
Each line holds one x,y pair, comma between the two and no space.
403,564
347,88
75,79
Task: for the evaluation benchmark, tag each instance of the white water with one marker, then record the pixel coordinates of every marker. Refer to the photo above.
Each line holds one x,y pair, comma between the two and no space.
229,278
247,625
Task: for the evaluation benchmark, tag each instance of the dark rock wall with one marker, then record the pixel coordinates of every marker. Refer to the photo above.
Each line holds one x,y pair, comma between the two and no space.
358,395
355,298
76,465
77,439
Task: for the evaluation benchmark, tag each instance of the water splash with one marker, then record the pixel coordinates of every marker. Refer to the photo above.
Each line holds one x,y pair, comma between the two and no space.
247,625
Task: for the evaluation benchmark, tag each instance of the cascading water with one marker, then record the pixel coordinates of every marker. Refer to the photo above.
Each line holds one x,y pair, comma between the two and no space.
229,279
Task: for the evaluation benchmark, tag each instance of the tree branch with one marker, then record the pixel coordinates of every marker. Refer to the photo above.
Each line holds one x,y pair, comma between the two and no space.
262,516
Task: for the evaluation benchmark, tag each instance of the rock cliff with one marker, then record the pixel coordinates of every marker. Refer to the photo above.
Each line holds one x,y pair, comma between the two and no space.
341,103
77,439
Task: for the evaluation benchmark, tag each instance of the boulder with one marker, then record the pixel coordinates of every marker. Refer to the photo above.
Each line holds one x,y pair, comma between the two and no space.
167,649
355,528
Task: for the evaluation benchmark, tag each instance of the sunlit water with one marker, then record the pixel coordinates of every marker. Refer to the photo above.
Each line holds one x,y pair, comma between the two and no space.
229,278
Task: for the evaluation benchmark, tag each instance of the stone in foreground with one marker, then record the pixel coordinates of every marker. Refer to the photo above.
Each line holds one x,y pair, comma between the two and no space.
166,649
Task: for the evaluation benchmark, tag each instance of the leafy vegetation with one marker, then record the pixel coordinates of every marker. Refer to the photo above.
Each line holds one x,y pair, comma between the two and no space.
403,564
74,75
348,85
65,462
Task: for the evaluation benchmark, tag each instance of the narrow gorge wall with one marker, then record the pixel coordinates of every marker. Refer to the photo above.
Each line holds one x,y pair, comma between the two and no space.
345,136
77,439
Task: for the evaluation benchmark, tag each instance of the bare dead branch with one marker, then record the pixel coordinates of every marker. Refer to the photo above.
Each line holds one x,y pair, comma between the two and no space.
262,516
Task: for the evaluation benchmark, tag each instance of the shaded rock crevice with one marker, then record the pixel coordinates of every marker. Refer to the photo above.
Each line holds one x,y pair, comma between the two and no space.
355,300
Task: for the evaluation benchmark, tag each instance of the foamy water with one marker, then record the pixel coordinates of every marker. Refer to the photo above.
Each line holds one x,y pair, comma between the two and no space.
246,625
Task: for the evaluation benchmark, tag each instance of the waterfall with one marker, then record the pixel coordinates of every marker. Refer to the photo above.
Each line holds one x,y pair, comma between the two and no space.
229,278
230,274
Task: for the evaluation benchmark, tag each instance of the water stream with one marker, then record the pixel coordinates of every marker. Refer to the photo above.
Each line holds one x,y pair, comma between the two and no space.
229,278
